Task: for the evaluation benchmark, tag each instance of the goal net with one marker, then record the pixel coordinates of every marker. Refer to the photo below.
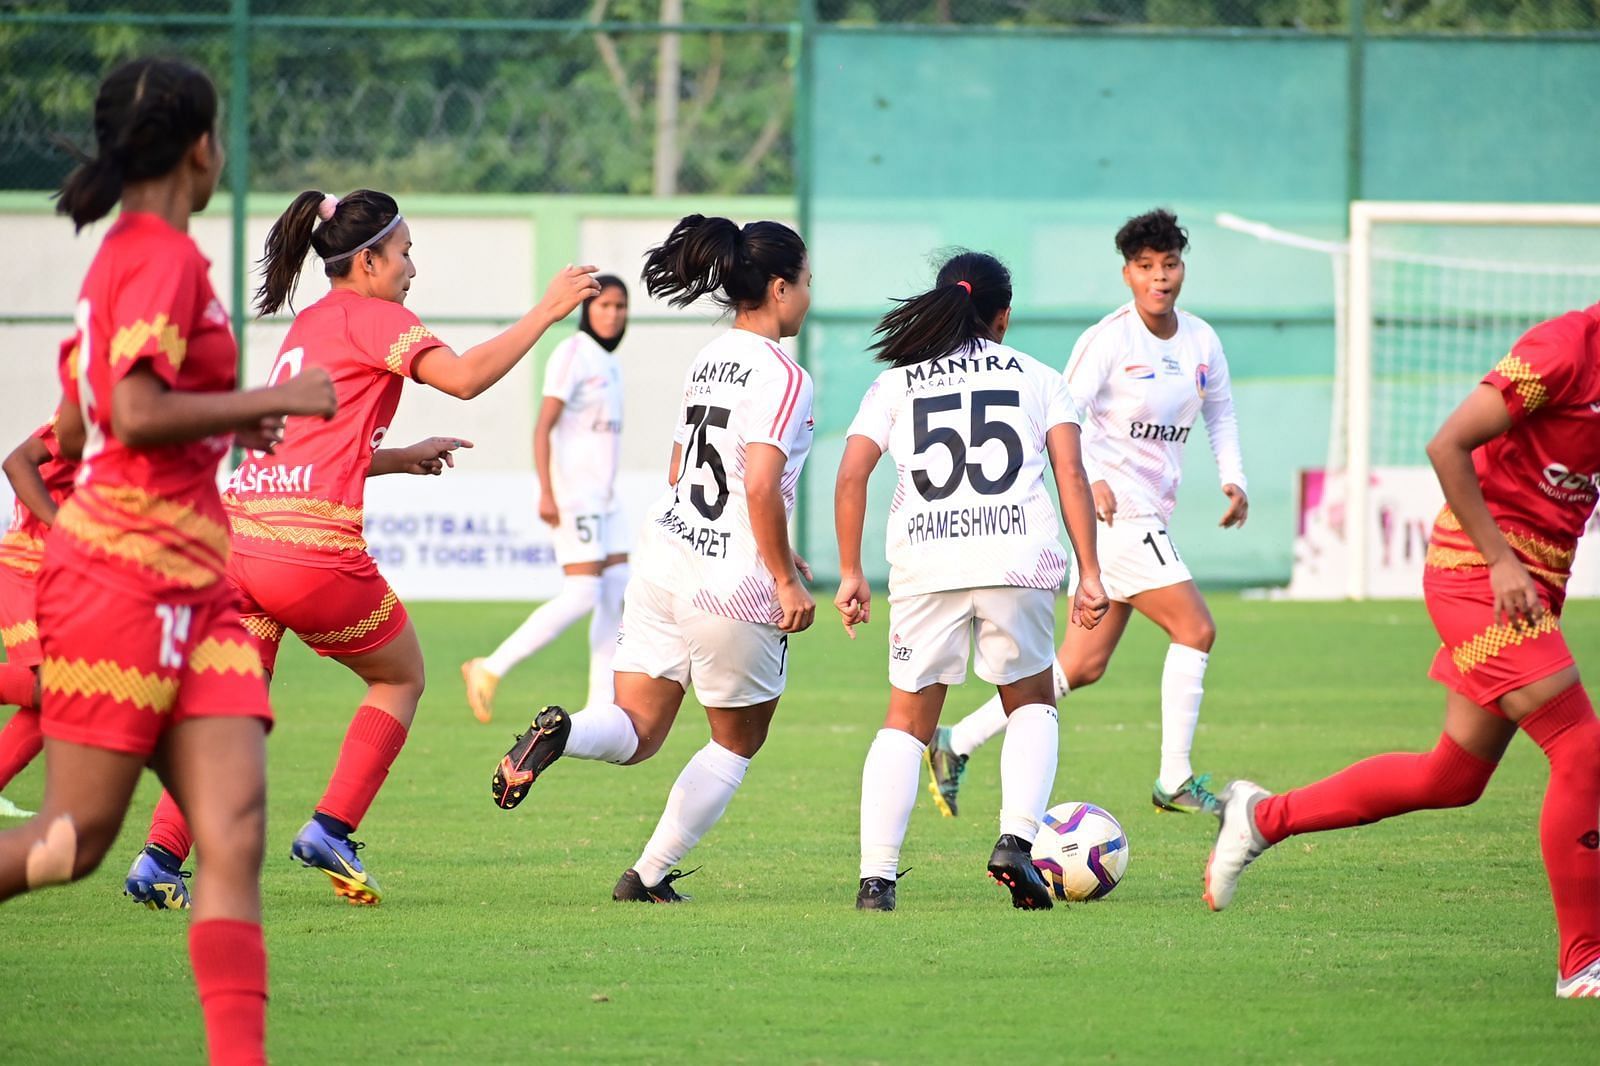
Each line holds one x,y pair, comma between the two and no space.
1429,296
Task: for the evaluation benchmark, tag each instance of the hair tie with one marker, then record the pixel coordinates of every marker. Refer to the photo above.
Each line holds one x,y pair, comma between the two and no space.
329,204
966,285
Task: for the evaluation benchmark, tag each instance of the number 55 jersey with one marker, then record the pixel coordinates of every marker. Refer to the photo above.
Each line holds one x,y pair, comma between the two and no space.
967,434
742,389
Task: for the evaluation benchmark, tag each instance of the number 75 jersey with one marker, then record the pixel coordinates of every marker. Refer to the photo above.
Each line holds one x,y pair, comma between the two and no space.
967,434
741,389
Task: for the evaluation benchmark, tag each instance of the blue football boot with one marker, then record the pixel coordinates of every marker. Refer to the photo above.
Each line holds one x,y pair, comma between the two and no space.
336,856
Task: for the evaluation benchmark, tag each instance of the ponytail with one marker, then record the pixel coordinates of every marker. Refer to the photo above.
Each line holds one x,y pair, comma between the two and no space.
90,192
335,229
147,114
715,257
952,317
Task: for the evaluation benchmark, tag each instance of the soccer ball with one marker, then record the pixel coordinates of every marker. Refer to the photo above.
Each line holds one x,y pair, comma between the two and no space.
1081,851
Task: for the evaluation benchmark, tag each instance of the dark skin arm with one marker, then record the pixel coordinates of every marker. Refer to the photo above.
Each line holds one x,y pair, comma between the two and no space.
1481,418
22,470
70,433
429,456
145,413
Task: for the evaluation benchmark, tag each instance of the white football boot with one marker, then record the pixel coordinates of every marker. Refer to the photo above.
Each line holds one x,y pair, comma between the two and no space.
1238,843
1585,984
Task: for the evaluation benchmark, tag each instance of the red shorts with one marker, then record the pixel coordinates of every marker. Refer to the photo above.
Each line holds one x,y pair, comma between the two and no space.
343,611
19,622
1483,659
122,667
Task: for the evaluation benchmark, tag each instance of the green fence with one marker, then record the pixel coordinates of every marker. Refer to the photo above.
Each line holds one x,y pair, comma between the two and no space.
1028,127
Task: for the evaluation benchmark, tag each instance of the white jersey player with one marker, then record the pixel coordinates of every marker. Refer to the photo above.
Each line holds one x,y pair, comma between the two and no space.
974,553
576,444
1143,377
717,590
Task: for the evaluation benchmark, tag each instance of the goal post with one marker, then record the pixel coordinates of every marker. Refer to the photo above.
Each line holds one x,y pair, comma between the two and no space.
1513,294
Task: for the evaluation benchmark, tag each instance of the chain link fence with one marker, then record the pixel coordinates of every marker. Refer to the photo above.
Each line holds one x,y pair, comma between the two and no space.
557,96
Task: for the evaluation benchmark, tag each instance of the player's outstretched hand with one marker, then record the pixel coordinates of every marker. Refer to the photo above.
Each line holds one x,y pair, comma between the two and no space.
799,609
309,392
262,435
1090,602
854,602
1105,501
1516,597
1238,507
570,288
431,456
549,513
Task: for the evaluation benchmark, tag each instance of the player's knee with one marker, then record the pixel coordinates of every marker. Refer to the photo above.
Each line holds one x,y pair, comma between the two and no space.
1086,672
95,834
648,745
1199,634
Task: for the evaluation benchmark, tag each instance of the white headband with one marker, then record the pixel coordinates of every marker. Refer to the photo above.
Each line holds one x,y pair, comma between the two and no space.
374,239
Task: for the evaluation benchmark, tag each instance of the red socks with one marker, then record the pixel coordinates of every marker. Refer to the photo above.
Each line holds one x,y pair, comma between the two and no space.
168,829
1377,788
1569,826
20,741
371,744
230,973
16,685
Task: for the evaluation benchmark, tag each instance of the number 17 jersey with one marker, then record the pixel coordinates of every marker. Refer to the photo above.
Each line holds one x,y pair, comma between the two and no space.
741,389
967,435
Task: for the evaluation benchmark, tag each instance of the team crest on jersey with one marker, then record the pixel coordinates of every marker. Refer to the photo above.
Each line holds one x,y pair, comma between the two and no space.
1200,379
1139,372
1169,365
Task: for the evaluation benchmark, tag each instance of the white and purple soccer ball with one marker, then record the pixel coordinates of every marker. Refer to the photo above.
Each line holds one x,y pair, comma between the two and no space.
1081,851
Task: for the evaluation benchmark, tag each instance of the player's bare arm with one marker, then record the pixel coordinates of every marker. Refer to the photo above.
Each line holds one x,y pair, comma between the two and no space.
467,375
769,522
1064,444
1482,417
22,470
145,412
549,414
426,457
854,598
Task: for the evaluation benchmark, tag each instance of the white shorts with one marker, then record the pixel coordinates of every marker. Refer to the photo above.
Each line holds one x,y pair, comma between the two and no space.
930,634
1136,555
586,534
731,664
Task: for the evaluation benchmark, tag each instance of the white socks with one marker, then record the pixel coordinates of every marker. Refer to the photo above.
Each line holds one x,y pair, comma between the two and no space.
1027,769
602,731
1182,686
888,792
603,625
697,800
978,728
985,723
578,596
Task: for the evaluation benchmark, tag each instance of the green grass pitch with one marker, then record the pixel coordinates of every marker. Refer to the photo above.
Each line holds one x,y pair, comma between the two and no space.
1427,939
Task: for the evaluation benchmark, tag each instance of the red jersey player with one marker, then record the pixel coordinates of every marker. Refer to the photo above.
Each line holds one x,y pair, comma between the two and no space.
1519,462
300,562
41,477
144,657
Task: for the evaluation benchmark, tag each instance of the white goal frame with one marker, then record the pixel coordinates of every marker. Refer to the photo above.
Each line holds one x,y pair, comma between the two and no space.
1364,215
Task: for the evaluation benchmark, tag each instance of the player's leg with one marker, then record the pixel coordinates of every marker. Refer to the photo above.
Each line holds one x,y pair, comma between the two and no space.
21,740
1556,713
697,801
86,794
738,670
156,877
580,549
1014,631
889,787
604,625
1181,611
652,666
216,767
395,679
1081,660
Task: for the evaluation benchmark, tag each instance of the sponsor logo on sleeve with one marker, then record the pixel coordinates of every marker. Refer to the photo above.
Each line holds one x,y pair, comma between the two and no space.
1200,373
